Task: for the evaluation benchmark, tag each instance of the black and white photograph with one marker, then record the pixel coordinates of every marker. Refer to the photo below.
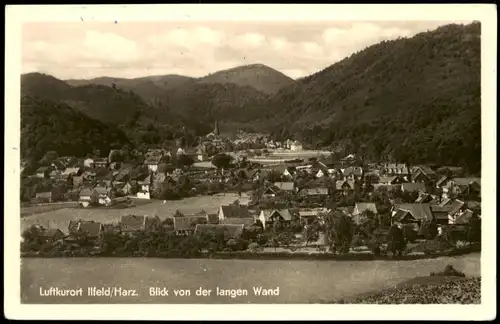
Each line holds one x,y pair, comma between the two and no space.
289,158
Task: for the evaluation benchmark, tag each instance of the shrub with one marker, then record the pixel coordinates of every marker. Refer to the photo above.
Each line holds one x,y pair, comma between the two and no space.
448,271
460,244
254,247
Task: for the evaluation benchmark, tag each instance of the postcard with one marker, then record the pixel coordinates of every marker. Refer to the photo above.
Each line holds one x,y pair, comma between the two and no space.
250,162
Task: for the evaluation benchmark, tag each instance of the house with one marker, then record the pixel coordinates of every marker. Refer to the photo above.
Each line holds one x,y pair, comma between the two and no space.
440,214
360,210
44,196
309,215
442,182
457,208
296,146
213,218
88,197
389,180
233,211
50,234
427,198
246,222
270,191
411,214
413,187
90,229
450,171
88,163
185,225
395,169
285,186
423,173
101,163
144,188
134,223
201,155
42,172
314,192
462,186
72,172
345,186
228,230
352,173
103,196
269,216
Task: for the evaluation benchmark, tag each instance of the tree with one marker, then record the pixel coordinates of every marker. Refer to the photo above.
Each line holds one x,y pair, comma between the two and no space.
48,158
396,242
184,160
285,238
178,213
311,232
339,230
474,230
222,161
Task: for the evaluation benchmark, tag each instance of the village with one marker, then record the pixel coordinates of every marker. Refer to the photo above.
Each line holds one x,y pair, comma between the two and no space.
295,203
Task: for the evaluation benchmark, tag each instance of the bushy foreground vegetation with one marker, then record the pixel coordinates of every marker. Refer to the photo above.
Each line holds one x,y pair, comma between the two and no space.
446,287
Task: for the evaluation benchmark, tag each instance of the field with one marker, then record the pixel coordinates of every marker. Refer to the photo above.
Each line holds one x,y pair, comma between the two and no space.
39,209
298,281
60,218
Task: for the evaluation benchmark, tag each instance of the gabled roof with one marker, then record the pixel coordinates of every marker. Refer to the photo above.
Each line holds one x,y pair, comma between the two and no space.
440,212
364,206
340,184
467,181
315,191
235,211
188,222
238,221
42,169
388,180
69,171
426,170
413,186
400,215
445,202
456,205
233,230
285,213
91,228
465,217
132,222
287,186
441,181
419,211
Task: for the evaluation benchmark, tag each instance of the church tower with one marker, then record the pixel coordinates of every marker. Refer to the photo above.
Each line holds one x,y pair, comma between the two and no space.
216,128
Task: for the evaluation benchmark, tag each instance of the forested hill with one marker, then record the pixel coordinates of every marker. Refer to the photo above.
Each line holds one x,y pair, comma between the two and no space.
54,126
144,124
257,76
415,99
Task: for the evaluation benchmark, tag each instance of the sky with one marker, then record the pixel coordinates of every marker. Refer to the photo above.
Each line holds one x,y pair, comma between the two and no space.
84,50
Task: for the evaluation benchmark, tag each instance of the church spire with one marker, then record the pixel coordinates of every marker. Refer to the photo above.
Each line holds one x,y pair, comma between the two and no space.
216,128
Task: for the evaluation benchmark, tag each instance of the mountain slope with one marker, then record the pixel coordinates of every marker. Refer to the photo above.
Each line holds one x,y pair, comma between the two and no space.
149,88
257,76
416,99
206,102
47,126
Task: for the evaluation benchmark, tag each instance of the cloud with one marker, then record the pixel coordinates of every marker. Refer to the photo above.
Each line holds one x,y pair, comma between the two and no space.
197,49
109,47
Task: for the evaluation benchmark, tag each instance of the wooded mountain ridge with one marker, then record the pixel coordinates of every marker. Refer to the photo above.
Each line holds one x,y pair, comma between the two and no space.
415,99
